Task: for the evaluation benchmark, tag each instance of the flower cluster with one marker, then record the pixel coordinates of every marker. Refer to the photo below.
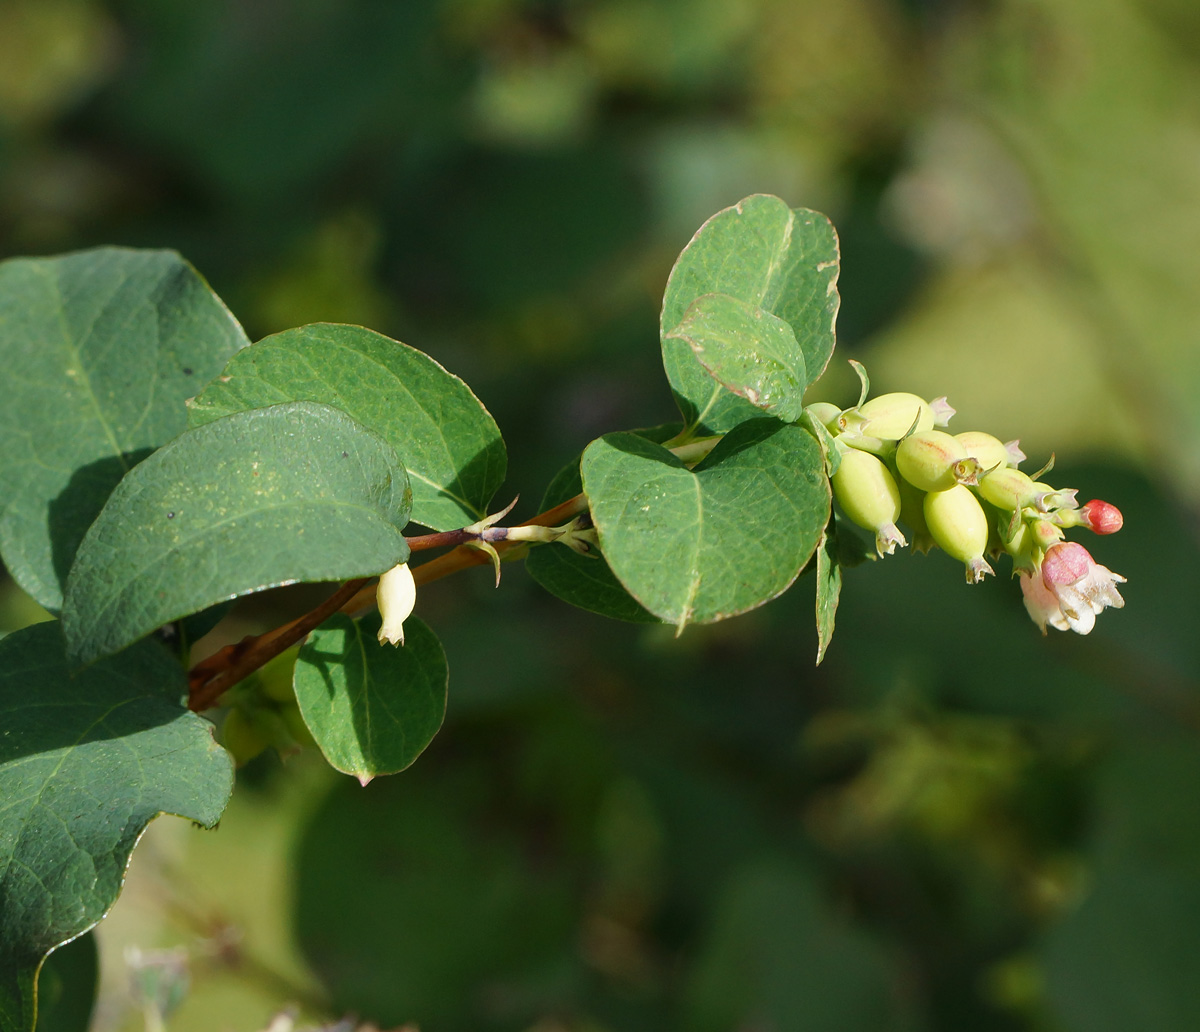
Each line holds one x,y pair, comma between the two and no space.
964,493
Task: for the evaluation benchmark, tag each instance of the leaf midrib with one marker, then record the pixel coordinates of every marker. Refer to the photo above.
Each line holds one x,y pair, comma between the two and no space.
65,752
77,361
158,558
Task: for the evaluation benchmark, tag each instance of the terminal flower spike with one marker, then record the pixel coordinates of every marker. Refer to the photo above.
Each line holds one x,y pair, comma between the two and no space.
964,494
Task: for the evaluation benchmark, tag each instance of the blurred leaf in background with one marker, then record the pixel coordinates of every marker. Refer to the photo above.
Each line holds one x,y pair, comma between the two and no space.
955,823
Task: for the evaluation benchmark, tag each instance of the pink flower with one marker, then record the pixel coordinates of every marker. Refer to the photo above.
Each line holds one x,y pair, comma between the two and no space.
1070,589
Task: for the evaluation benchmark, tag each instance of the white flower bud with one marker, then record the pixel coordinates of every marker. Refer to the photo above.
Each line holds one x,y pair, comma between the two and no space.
396,595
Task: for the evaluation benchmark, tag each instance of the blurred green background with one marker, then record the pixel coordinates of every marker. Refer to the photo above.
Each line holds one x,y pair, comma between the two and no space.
954,823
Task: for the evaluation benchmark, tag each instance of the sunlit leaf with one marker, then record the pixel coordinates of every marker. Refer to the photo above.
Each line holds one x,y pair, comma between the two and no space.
446,439
748,351
272,496
708,543
772,258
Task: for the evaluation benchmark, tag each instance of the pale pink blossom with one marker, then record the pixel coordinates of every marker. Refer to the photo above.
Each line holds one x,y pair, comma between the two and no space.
1070,589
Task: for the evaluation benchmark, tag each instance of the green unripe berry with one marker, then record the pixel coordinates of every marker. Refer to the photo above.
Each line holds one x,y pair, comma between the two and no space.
912,515
1009,489
912,504
241,737
1018,543
867,493
1044,534
826,414
890,416
988,450
934,461
959,525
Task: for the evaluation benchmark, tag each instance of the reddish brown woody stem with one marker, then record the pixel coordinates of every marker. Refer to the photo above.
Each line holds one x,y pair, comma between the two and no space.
212,677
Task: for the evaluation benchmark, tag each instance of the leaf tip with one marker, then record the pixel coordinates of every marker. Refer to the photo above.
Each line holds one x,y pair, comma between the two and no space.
364,779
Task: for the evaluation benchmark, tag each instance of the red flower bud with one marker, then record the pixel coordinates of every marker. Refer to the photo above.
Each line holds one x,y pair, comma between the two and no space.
1102,517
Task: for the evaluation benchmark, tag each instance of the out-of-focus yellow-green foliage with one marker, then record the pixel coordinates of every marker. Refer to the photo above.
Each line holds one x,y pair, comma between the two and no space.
956,824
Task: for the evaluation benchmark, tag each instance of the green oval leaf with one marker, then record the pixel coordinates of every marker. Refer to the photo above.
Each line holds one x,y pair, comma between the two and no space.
87,759
99,349
371,708
587,581
748,351
696,546
771,257
446,439
297,492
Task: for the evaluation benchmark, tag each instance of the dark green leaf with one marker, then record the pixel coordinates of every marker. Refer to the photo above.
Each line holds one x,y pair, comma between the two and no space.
215,95
100,349
587,581
446,439
776,959
1125,957
747,351
372,708
770,257
829,587
86,761
194,627
67,987
852,546
290,493
428,899
706,544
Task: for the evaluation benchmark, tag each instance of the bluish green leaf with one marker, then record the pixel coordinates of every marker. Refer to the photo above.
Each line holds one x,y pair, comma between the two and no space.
100,349
783,261
446,439
87,759
272,496
706,544
747,351
372,708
